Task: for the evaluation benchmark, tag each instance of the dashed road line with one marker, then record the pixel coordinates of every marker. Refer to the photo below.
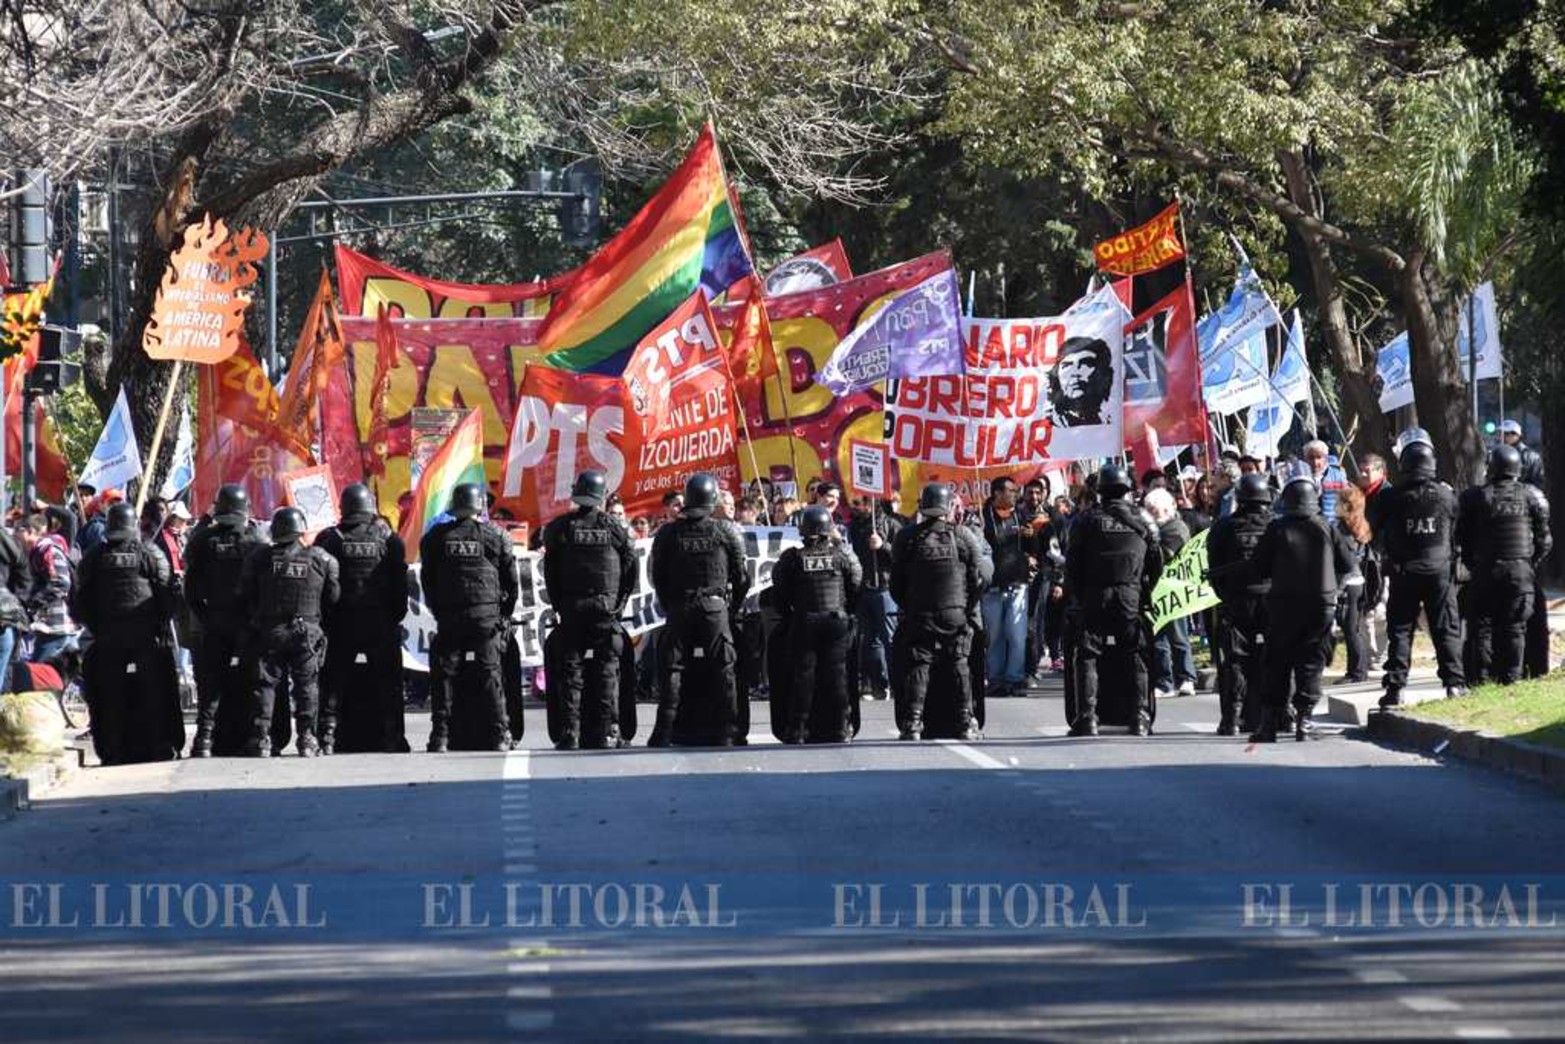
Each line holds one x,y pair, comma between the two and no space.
977,757
528,1003
1427,1003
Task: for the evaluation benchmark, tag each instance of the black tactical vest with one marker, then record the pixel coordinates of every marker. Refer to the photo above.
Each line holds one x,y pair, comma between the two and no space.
822,586
291,584
939,576
468,579
700,561
360,549
1506,532
593,555
1117,541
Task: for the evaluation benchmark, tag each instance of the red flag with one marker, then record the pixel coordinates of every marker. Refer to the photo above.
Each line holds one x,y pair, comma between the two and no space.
378,442
1145,248
1163,371
565,423
237,436
681,417
751,354
319,354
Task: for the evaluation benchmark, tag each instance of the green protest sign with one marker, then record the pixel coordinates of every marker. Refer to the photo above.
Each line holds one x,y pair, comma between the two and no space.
1183,590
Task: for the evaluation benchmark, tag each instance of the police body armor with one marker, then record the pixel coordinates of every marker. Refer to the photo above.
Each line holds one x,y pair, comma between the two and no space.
291,586
120,608
823,589
1247,529
703,567
594,562
361,548
1120,540
1420,537
227,546
1506,534
469,581
942,576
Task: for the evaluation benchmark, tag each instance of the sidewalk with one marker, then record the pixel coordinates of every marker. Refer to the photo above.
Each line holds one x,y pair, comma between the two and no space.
1353,704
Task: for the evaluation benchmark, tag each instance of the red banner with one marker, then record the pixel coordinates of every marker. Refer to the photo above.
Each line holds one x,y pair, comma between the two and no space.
1163,373
1142,249
364,283
237,437
680,409
565,423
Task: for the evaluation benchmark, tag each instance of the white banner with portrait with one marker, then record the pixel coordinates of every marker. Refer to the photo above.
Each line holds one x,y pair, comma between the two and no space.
1036,390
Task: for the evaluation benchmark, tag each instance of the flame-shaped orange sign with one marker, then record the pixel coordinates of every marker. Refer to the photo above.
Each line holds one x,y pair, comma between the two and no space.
199,311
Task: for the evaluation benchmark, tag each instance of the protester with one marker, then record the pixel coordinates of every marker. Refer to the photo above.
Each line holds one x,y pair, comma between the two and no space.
1350,530
1175,668
1005,600
53,575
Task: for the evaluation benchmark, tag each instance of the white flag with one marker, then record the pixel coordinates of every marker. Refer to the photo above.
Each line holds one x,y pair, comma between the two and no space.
116,459
183,470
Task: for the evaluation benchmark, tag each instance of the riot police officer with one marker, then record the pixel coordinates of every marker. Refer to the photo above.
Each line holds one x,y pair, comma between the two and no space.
1416,527
361,692
589,569
1304,564
470,584
818,588
214,560
938,574
1503,531
698,572
1230,547
124,595
1114,560
287,588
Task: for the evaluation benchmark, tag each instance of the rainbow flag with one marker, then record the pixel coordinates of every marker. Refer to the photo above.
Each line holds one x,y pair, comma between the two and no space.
685,238
460,460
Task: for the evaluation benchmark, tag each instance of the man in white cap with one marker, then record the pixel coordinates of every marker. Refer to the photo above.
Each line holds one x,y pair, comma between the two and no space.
1532,460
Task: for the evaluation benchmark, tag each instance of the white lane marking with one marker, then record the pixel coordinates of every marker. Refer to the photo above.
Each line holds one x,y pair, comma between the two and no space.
528,967
1482,1033
517,767
1378,976
529,992
1297,933
529,1020
977,757
1428,1004
520,869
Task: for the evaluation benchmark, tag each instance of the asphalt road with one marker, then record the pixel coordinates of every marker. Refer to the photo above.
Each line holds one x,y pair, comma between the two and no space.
1026,887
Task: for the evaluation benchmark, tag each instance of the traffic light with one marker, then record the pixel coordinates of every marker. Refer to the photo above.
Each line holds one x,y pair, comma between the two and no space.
580,215
53,371
29,228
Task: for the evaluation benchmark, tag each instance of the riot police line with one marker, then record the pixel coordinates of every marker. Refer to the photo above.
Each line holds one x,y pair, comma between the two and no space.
311,636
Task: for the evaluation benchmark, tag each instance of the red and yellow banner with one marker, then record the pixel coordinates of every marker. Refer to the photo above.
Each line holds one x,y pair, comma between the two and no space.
1142,249
365,284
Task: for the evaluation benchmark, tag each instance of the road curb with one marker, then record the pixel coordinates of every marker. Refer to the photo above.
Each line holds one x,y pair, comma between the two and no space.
1519,758
18,793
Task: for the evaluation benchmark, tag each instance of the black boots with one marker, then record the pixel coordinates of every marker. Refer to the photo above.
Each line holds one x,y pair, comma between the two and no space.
202,746
438,742
1392,697
1142,726
305,744
1266,732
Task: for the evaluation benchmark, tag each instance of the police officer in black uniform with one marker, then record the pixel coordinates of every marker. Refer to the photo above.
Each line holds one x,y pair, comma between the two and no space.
698,572
124,595
361,691
470,584
1114,560
214,560
1304,564
287,588
1417,532
589,569
1503,531
938,574
818,588
1536,656
1230,547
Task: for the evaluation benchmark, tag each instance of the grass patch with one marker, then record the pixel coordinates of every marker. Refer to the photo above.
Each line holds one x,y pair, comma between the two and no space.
1532,710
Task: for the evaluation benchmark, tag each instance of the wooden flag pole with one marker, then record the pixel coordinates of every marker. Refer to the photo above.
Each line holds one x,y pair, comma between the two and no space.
157,437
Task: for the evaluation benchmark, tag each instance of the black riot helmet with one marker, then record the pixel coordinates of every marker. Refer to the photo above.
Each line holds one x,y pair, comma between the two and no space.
700,495
591,489
357,500
935,500
467,500
1504,463
1253,489
287,525
232,504
814,521
121,518
1417,462
1301,497
1113,482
